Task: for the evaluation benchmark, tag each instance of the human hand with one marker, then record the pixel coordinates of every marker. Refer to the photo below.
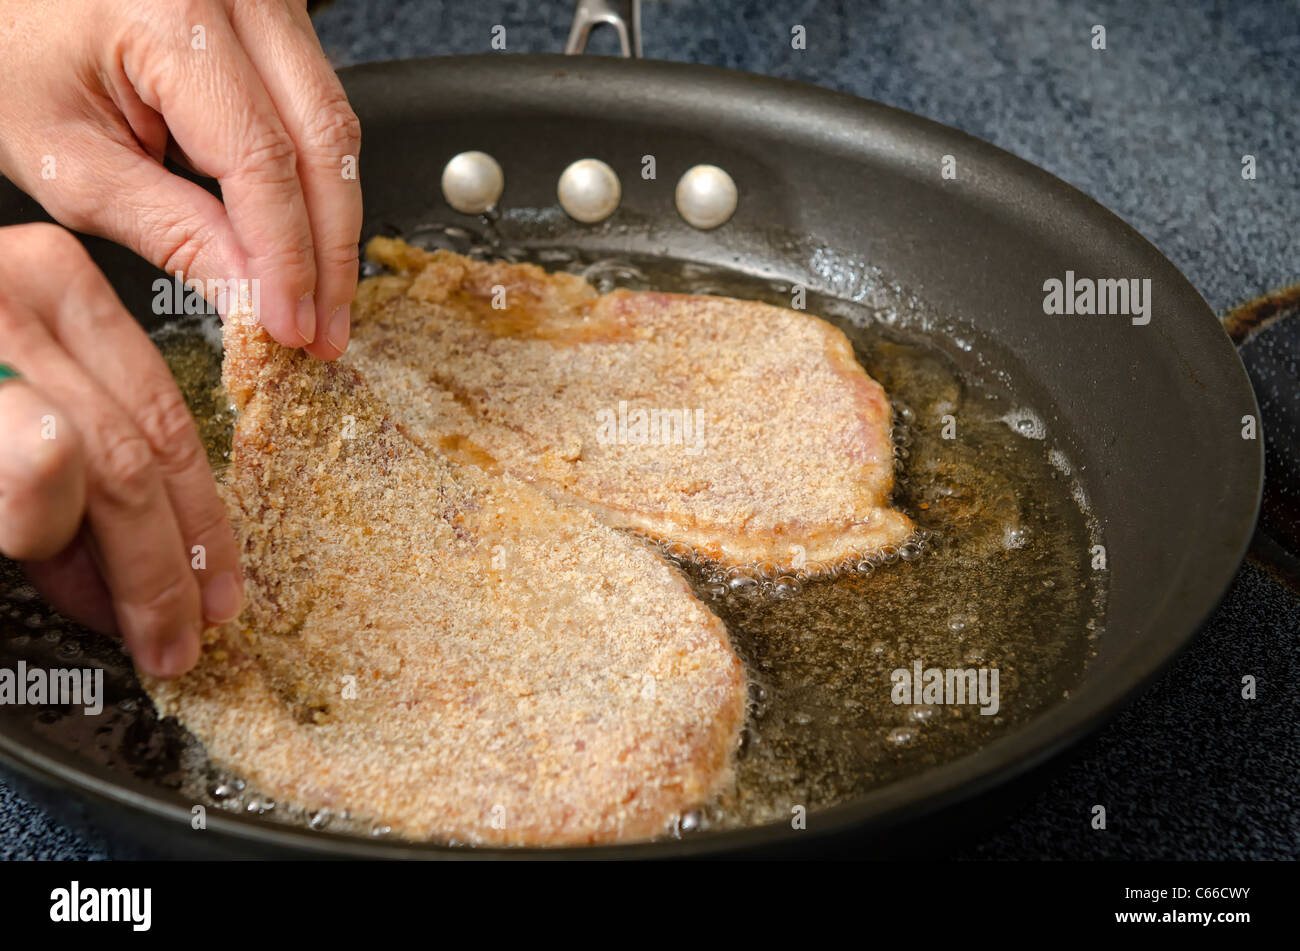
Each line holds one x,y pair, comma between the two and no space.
91,93
106,494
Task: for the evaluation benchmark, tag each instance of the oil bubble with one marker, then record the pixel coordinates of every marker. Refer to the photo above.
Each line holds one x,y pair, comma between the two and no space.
901,736
1015,537
923,712
742,583
786,587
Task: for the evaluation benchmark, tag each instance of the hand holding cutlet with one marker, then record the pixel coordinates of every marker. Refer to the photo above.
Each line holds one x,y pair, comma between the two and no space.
94,96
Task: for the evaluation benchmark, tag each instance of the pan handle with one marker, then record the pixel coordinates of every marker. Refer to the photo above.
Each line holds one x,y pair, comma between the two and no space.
623,15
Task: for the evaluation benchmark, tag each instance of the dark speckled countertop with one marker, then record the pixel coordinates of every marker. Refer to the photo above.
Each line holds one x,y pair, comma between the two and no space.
1155,128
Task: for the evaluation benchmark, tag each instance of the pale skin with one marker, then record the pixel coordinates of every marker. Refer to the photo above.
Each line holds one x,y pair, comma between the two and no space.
106,496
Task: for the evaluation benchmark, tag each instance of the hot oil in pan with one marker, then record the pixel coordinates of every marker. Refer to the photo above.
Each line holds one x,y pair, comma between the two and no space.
1002,580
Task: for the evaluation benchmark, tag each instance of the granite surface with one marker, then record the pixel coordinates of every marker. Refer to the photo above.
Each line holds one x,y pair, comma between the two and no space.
1155,127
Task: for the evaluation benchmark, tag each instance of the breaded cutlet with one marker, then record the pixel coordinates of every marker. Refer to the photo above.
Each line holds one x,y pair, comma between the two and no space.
748,432
441,650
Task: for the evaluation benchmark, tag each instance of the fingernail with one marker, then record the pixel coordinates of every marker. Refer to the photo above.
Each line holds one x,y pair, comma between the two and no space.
338,328
178,655
223,598
306,318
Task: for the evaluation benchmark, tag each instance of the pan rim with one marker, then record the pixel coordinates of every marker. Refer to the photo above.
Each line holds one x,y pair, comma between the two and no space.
1040,739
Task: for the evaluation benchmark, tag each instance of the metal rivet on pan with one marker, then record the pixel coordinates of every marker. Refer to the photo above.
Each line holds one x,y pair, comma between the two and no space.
706,196
472,182
589,190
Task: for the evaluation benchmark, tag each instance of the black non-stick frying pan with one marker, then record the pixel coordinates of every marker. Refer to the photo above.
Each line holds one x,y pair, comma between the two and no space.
1152,414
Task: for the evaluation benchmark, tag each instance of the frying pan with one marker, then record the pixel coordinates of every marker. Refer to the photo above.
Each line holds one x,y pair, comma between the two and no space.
1152,415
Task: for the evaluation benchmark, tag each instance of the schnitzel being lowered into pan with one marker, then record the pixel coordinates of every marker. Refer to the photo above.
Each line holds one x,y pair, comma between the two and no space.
746,431
442,651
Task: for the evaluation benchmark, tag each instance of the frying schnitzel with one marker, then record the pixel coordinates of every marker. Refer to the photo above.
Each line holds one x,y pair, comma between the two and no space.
440,650
745,431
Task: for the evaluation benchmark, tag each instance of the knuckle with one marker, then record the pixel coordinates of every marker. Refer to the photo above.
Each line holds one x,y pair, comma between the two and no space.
293,263
184,455
53,242
127,477
338,256
71,207
211,529
39,498
269,158
50,461
176,245
333,129
164,420
63,259
156,613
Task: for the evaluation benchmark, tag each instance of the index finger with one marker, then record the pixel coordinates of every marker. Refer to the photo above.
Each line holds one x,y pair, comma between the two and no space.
220,114
310,100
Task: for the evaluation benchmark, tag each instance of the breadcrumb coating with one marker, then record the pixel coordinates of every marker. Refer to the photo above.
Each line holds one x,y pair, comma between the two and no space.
439,648
777,448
